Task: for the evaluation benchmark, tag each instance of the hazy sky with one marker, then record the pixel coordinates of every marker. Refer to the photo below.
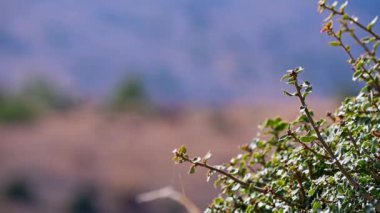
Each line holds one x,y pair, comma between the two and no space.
185,50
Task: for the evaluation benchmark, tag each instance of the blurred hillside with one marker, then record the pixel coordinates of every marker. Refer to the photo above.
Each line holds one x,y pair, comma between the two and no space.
85,161
37,97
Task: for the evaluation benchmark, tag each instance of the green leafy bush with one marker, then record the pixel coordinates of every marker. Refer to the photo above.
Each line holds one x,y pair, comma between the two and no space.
310,164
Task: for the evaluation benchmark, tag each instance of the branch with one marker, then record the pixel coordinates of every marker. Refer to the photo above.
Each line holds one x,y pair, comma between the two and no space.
352,139
371,54
341,13
299,180
214,169
353,61
352,182
305,146
237,180
357,40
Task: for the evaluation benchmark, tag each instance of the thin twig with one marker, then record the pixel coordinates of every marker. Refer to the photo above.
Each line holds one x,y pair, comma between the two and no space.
242,183
298,177
305,146
341,13
370,53
353,61
350,179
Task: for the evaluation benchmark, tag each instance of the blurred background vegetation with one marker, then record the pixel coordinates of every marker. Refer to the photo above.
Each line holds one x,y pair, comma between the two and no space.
36,97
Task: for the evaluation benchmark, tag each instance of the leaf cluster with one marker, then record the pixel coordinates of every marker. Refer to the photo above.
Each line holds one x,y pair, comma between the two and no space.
310,164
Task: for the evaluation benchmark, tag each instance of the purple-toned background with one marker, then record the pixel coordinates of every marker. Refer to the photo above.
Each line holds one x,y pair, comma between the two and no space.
208,51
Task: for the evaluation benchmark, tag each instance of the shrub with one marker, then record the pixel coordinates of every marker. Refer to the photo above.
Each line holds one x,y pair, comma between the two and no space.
15,110
35,98
310,164
131,95
43,94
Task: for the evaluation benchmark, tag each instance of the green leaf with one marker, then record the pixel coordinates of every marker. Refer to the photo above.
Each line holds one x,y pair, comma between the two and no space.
335,43
307,139
288,93
207,156
376,45
219,201
341,189
250,209
311,192
196,160
339,34
281,127
343,6
372,23
291,82
192,169
233,171
281,183
357,74
235,187
299,70
367,40
317,205
209,175
285,77
271,123
182,150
